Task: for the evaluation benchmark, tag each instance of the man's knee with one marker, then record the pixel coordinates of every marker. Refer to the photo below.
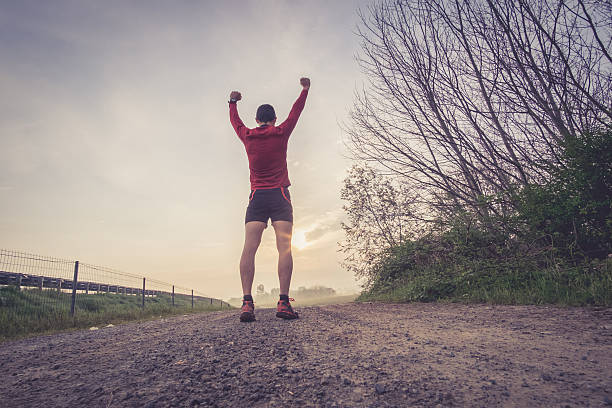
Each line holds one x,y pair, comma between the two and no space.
283,248
252,243
283,231
283,243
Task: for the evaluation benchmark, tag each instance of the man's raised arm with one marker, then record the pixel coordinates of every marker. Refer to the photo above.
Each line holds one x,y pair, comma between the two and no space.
288,125
239,127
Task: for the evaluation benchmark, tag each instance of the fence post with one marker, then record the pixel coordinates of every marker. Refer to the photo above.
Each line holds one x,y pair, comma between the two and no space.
192,298
143,291
59,285
74,287
172,295
19,282
87,288
42,283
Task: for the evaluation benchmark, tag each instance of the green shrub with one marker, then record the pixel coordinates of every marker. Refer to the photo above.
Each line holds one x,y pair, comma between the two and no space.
573,210
553,248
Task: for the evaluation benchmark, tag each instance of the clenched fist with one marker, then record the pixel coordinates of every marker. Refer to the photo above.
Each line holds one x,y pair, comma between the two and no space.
305,82
235,95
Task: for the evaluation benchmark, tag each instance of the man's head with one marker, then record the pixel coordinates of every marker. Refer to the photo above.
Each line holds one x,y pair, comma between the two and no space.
265,115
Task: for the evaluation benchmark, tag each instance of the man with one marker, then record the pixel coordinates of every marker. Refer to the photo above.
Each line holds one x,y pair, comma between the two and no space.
266,147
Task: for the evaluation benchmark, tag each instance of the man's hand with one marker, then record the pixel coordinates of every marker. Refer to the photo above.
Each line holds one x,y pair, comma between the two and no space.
305,82
235,95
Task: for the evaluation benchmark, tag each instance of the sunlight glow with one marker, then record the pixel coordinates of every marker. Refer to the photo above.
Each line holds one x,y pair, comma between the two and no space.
299,239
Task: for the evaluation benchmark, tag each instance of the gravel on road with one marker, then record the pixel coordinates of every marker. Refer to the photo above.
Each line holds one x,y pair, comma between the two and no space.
351,355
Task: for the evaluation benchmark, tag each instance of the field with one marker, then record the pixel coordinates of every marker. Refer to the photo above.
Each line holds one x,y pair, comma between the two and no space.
32,311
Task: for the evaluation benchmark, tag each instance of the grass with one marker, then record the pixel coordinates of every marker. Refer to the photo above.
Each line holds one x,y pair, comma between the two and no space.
583,285
28,312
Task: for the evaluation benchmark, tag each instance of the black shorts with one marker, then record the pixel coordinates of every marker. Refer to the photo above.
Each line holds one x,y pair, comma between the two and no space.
269,203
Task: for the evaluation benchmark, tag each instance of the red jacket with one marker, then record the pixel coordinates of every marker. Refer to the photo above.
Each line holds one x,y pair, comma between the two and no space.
266,146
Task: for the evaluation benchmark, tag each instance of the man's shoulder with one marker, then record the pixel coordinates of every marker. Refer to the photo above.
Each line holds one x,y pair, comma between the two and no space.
265,131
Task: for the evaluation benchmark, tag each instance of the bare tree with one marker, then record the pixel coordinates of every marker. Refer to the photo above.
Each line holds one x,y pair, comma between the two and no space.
470,99
380,216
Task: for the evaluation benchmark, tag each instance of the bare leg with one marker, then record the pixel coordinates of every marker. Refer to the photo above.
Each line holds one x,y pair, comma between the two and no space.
283,231
252,237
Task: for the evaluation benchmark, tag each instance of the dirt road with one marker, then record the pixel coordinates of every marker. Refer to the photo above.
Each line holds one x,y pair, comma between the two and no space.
353,355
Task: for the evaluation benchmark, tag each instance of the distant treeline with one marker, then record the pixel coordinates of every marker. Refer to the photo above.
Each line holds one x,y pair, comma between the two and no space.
302,293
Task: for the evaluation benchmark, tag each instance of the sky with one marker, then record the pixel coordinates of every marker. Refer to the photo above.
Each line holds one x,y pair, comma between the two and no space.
116,146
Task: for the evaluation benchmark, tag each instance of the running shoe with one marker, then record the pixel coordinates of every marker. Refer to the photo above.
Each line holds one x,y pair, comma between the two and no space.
247,313
285,311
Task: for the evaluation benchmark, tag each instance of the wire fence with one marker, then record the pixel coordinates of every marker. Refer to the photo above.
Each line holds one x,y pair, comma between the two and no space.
39,293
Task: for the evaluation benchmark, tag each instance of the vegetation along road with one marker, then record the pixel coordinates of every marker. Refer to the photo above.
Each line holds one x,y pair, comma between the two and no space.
352,355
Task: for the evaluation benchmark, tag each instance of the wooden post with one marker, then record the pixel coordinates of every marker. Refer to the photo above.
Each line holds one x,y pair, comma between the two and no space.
59,285
192,298
74,287
143,291
86,288
211,301
19,282
41,283
172,295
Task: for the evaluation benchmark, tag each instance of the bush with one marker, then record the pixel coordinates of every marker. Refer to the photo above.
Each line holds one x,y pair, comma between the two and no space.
550,246
573,210
425,271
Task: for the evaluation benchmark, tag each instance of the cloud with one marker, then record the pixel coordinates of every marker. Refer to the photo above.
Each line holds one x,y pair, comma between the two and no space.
327,227
317,233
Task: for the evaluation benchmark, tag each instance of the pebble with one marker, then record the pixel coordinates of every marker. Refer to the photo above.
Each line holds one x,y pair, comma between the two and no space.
385,373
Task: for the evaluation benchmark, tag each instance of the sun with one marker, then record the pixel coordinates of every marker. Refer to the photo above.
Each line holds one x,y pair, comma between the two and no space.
299,239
